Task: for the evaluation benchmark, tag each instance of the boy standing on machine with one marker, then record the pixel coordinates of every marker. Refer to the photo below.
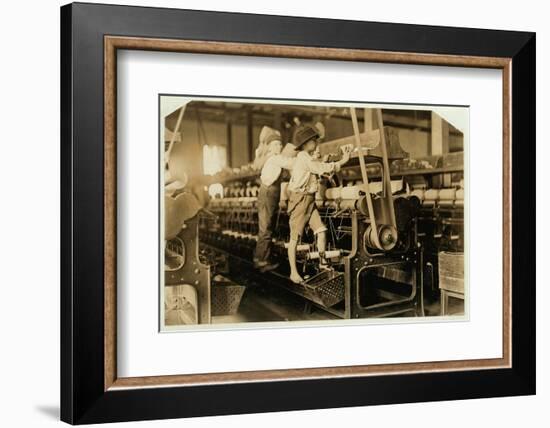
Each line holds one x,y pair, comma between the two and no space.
302,188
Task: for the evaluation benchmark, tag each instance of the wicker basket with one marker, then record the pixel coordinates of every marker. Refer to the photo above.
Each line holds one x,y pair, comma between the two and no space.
451,271
226,297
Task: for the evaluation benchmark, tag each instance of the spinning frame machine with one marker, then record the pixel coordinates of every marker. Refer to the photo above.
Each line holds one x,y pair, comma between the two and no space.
372,236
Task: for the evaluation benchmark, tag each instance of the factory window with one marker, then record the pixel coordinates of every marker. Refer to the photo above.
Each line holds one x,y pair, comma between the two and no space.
214,159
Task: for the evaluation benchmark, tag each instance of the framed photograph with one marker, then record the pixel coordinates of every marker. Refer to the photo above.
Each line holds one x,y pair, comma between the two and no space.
266,213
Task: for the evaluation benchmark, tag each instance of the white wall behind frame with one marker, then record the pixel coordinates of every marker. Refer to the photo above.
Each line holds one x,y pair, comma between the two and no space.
31,76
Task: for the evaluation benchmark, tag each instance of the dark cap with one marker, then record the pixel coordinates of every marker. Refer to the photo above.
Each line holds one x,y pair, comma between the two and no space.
303,134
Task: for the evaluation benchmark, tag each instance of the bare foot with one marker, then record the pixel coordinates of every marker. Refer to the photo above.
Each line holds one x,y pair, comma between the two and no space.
296,278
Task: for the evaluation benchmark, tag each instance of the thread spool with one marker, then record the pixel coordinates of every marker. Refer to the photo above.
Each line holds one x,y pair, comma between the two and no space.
447,194
349,204
332,254
333,193
419,193
300,248
351,192
431,195
362,206
446,202
375,187
387,237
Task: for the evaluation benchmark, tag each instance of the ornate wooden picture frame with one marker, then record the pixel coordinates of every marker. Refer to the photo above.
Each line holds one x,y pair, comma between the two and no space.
91,390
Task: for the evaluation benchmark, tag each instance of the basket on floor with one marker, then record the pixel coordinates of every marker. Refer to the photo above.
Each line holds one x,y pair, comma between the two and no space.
226,297
451,271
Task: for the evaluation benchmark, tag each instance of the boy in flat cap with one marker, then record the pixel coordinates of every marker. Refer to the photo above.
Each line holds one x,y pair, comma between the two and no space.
274,162
302,188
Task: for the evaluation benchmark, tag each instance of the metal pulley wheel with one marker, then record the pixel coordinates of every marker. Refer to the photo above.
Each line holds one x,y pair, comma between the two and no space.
387,236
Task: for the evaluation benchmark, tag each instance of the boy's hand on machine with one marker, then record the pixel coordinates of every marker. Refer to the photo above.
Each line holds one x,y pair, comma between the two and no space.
345,158
346,151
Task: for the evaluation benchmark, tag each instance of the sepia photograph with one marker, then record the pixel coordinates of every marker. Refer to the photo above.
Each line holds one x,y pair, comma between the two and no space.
286,211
